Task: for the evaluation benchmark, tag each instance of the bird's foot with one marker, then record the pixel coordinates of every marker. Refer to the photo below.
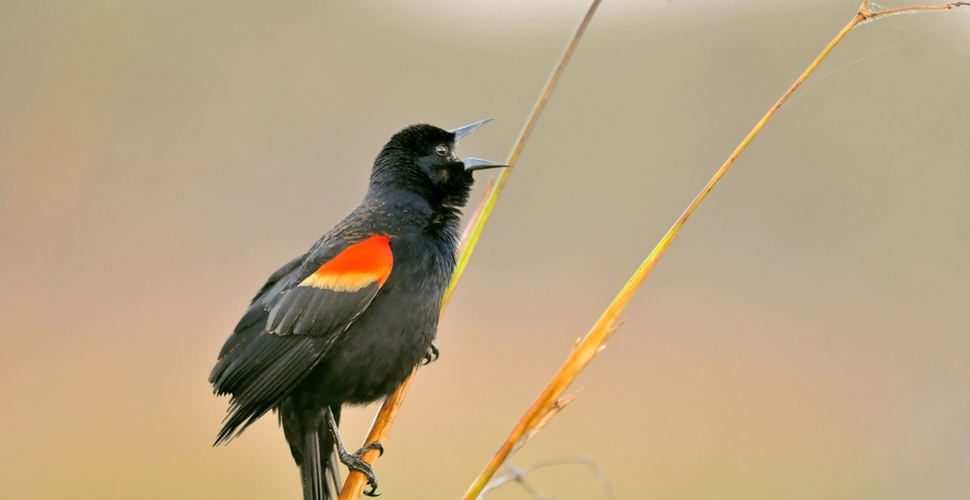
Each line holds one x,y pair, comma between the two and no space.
355,462
431,355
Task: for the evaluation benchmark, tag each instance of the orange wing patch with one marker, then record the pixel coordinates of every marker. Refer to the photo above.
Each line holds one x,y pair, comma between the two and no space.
357,266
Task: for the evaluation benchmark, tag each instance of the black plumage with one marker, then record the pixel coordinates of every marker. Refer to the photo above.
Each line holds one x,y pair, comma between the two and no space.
347,322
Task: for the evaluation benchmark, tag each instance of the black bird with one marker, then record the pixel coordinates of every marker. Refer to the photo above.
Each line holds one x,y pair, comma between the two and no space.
347,322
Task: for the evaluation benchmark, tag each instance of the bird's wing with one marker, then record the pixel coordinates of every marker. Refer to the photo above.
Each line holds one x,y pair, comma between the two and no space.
334,292
256,312
293,322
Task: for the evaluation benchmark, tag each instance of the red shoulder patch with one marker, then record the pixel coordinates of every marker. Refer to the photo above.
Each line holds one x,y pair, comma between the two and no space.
357,266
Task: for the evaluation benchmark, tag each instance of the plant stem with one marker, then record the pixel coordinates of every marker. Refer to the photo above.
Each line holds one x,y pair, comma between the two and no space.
478,220
593,342
381,426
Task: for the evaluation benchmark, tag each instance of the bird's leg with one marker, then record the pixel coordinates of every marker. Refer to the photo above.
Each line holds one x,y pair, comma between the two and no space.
354,461
431,355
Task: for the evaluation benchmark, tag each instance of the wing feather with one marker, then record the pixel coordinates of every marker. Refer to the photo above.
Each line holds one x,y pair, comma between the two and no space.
291,324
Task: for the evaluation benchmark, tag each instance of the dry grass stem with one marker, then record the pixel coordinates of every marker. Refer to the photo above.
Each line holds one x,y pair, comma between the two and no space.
868,14
379,430
517,475
553,410
545,405
477,223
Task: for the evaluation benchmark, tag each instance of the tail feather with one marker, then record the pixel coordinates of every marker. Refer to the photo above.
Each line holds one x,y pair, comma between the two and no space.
312,470
334,472
312,446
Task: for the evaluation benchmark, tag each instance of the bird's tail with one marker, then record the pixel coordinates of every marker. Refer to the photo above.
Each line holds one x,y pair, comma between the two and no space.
312,446
318,470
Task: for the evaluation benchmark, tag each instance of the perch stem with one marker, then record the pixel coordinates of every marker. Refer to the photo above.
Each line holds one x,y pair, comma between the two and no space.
354,485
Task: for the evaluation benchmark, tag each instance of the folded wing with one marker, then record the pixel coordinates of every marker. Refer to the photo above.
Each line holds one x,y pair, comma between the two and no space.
292,323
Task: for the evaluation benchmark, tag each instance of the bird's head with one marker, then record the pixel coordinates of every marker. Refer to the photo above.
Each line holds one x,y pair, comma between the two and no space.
422,159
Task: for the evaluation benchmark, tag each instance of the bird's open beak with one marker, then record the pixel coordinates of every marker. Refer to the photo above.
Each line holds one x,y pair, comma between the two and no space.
474,163
467,129
479,164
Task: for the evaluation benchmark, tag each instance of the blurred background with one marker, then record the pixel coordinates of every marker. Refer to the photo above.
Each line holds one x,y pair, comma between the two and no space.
805,337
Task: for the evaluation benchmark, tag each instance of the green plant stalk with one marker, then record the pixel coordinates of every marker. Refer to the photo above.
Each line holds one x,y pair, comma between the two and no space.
478,221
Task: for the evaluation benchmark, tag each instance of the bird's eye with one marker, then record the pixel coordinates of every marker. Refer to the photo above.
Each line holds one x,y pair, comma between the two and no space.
441,149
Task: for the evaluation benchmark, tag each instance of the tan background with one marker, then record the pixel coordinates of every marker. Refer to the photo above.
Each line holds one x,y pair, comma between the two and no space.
806,336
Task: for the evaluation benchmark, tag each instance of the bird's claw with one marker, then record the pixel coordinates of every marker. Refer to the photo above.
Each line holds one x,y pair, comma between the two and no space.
373,445
431,355
355,462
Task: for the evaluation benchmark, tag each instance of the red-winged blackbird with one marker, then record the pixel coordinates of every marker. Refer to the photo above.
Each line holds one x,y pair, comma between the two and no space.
347,322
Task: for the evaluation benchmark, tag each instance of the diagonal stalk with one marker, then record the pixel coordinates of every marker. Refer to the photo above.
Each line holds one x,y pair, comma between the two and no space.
478,220
548,402
381,426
